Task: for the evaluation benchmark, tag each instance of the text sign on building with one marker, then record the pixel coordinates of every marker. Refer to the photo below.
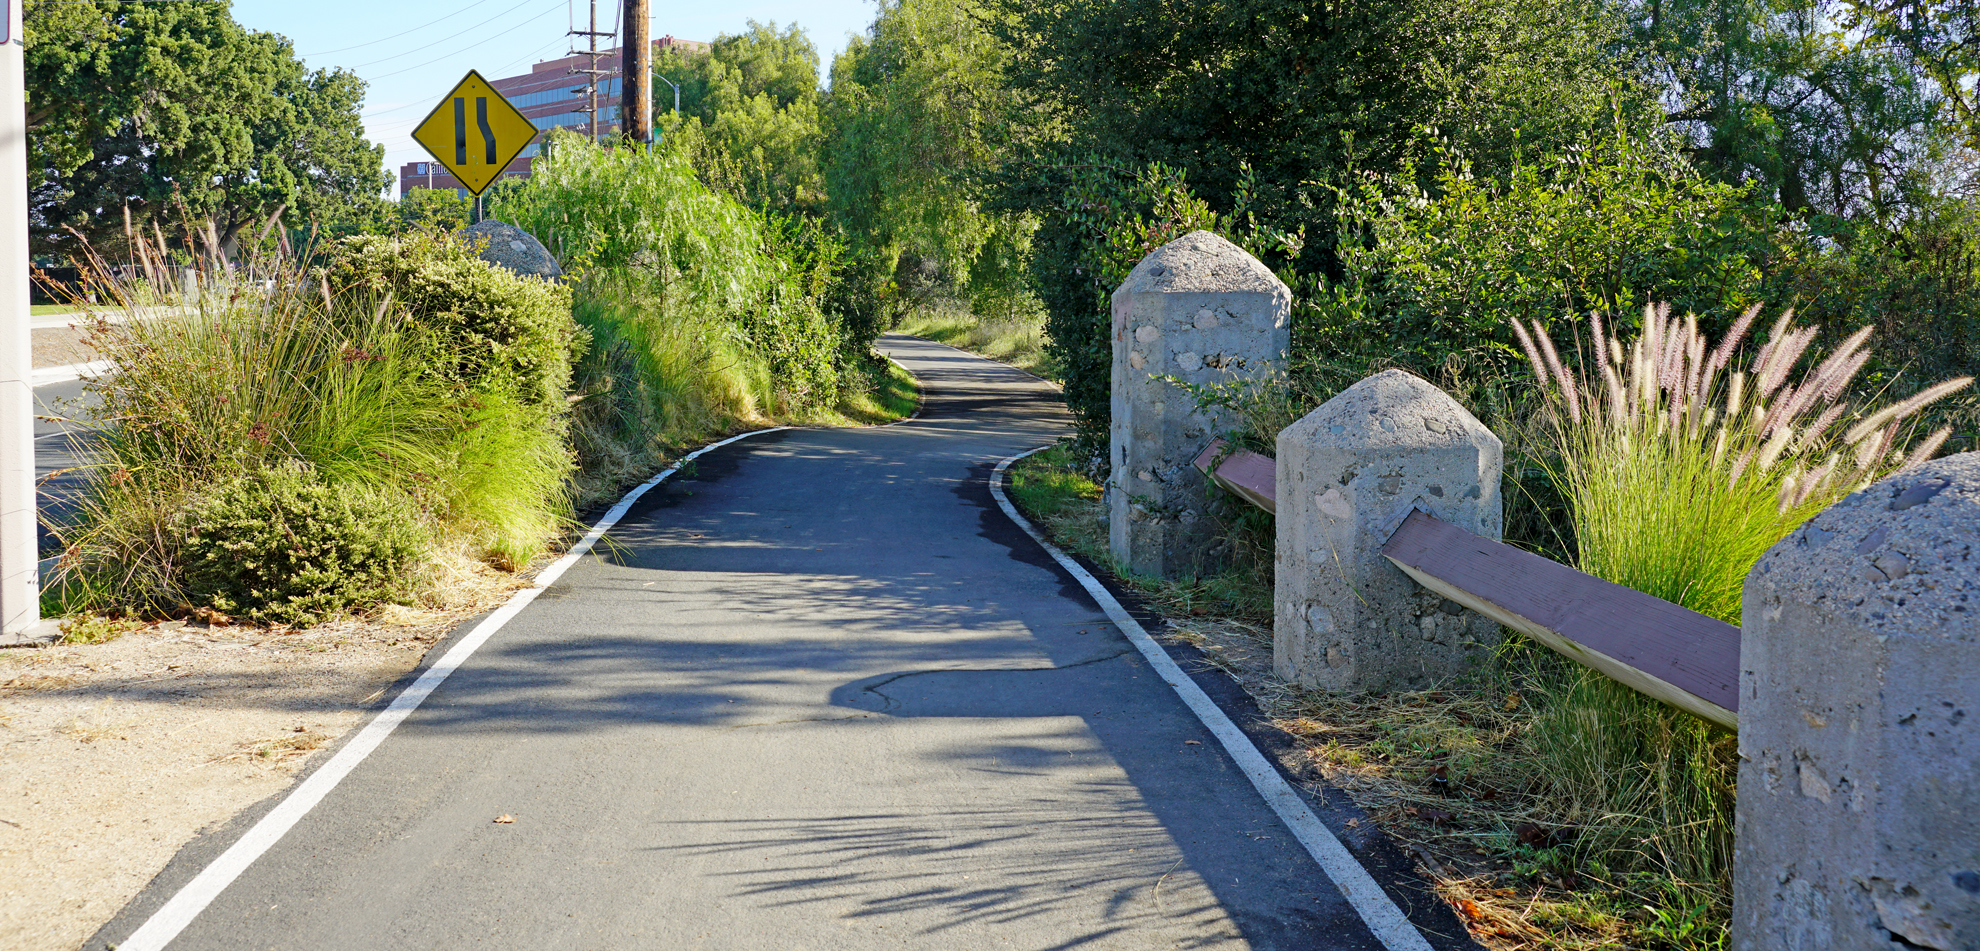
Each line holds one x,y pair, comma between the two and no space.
475,133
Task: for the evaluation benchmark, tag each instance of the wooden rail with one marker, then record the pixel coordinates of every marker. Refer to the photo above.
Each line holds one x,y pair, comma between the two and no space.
1244,473
1660,649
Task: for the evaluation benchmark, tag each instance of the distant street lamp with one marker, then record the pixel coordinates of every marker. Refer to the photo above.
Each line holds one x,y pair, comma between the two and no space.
677,92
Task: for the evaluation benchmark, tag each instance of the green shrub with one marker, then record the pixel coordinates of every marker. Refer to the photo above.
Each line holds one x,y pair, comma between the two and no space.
499,332
1108,218
249,383
280,546
1429,271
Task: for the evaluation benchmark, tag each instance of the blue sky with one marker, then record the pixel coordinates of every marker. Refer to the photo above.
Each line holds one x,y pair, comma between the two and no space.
412,53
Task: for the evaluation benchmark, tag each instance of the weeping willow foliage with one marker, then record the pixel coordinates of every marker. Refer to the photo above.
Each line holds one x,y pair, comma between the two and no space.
691,267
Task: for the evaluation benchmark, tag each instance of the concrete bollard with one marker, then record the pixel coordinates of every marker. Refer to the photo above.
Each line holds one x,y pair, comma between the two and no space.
1203,310
1858,818
1346,619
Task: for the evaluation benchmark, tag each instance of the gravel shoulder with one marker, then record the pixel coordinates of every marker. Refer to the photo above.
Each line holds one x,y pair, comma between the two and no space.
113,756
60,346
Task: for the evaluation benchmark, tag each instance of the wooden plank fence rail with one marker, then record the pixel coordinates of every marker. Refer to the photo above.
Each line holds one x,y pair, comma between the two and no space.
1243,473
1658,648
1661,649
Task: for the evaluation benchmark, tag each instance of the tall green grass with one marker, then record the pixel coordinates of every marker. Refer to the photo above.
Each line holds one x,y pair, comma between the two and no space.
344,385
649,385
1679,472
699,281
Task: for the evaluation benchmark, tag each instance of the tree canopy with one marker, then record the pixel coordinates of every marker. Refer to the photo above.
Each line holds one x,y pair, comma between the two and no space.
180,115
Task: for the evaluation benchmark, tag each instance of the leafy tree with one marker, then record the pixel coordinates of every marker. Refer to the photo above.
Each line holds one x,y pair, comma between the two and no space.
756,95
1263,107
1775,92
920,112
177,113
1941,40
1300,92
436,208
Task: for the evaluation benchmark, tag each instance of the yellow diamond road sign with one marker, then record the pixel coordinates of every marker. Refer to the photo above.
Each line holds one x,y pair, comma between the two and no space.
475,133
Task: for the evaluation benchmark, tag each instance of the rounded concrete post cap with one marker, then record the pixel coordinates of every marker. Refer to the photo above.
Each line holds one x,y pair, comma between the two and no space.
1201,263
1392,409
1898,557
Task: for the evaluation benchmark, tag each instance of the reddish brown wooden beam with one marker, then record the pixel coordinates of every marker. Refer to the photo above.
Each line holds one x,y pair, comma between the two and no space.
1665,651
1246,474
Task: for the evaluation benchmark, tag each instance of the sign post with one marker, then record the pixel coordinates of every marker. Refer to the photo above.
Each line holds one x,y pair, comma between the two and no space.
475,133
20,589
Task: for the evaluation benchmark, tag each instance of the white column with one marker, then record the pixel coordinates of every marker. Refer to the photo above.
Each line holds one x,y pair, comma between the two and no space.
20,592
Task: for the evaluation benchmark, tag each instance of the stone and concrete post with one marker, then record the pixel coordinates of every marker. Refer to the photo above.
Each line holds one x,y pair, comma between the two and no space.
1858,818
1347,620
1203,310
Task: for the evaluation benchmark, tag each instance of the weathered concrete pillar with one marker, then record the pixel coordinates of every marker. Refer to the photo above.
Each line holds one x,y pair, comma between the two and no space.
1203,310
1346,619
1858,819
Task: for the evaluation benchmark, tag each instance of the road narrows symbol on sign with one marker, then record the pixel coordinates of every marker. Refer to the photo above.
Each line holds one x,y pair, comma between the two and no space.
502,130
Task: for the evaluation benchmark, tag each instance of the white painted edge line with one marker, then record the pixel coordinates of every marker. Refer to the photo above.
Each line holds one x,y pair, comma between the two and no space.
1389,924
180,910
44,376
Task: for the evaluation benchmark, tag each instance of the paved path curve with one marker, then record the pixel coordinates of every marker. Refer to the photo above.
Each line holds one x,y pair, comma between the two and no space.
820,695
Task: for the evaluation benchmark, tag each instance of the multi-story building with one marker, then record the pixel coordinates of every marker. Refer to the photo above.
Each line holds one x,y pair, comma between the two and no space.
552,96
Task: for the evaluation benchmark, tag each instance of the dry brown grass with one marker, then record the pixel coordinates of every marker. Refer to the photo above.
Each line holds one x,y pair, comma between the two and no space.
1441,772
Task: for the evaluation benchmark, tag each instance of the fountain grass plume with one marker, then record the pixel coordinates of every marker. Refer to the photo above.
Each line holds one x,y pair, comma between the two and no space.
1680,474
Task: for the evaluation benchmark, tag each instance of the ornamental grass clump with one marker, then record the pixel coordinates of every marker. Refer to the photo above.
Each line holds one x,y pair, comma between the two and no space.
1679,472
361,398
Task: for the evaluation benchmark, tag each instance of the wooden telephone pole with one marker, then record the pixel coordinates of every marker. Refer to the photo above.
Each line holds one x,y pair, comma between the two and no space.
636,89
592,74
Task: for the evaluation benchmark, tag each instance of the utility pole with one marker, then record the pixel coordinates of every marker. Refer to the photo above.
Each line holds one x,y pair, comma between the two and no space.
20,588
636,89
592,74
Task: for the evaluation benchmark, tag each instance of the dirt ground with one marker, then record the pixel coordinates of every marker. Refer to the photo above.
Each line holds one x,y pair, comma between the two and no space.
114,755
59,346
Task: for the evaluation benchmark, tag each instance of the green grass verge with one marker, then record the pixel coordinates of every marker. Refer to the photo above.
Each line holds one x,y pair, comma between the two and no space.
1051,487
879,391
1018,341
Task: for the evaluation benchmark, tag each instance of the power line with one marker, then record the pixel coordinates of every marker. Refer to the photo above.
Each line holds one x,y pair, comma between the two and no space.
444,39
464,48
394,36
422,105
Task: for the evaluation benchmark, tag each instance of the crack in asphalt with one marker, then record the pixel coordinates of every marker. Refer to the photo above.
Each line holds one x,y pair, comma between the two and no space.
892,704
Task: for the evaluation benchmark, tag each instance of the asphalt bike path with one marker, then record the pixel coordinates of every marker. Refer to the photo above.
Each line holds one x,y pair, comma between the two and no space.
816,692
